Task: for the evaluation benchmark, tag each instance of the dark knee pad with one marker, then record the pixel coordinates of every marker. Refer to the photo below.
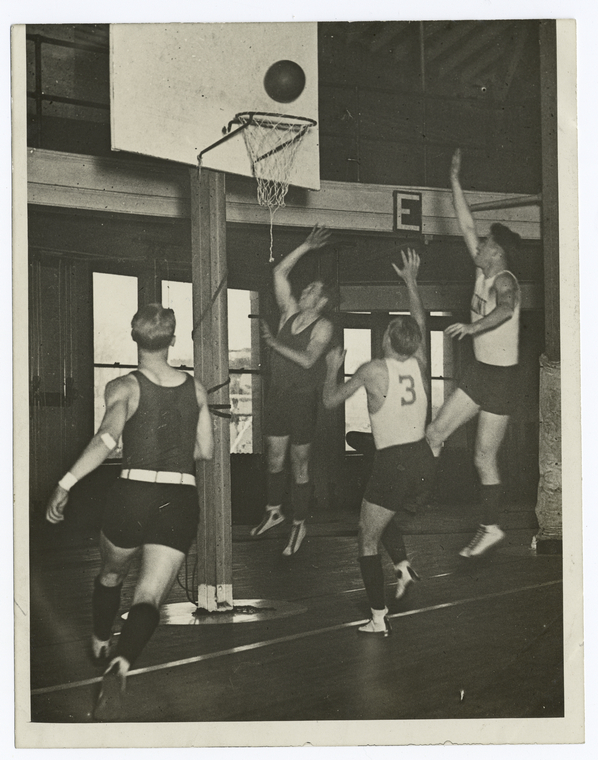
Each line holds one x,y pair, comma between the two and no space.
105,602
138,629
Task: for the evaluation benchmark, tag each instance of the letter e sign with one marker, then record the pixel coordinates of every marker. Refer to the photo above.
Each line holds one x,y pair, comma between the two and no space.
407,211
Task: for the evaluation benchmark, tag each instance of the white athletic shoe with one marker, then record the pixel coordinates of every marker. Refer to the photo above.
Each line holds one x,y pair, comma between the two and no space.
405,576
100,650
486,537
298,532
378,627
112,692
272,518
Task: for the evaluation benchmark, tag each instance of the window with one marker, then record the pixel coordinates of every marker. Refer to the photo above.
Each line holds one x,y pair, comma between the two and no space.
114,353
244,362
437,370
179,297
441,360
358,344
243,356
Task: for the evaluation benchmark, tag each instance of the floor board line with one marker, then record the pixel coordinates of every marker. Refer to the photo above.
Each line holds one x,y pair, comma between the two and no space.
291,637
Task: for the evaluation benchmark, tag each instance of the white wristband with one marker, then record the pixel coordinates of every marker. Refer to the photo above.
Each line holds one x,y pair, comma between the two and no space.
108,441
68,481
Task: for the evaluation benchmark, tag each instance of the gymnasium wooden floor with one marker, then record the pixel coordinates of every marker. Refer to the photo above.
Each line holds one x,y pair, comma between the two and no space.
471,640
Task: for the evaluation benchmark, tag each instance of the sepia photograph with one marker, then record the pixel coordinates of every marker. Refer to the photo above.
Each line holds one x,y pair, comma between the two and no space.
299,397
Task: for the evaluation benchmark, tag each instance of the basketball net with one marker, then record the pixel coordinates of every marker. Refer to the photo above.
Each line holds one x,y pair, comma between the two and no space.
272,141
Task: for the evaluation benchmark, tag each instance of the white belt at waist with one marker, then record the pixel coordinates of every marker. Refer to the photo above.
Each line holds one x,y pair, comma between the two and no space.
154,476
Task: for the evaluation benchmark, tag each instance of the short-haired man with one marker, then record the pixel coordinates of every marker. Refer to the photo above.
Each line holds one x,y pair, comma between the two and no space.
297,374
403,470
489,386
163,417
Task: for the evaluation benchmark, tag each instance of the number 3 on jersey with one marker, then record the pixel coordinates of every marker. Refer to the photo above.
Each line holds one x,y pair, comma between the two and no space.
407,390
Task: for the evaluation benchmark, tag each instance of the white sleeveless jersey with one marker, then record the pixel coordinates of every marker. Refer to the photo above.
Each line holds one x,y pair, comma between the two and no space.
501,345
402,417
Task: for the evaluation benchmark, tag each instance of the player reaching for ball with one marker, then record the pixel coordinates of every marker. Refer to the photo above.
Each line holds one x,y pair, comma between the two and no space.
297,375
403,470
489,386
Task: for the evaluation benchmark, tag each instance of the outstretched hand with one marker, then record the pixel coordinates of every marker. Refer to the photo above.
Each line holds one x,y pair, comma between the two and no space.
335,359
56,505
456,164
318,237
410,266
458,330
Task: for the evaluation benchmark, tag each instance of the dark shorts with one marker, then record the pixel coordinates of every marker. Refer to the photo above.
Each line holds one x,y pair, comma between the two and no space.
495,389
151,513
292,413
402,477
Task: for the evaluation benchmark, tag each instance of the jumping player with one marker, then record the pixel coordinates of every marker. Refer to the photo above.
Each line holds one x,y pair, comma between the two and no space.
397,388
152,509
489,386
297,374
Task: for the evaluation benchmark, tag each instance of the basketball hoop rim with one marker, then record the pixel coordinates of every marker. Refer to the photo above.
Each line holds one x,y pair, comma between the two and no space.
266,119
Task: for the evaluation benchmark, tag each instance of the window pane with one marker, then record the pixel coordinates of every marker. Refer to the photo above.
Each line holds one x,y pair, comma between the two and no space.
114,305
179,297
437,353
242,392
358,344
437,396
245,389
239,328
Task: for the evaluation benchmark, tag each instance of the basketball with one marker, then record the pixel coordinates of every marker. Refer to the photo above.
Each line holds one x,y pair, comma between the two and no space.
284,81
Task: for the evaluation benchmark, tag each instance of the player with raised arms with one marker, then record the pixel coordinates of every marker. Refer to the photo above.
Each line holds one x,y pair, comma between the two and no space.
397,396
163,417
489,386
297,375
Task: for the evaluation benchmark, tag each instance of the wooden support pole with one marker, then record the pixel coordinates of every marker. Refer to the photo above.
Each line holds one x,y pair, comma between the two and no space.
210,344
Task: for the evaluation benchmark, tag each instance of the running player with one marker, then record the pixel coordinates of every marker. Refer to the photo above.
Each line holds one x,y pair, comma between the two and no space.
397,388
153,508
297,374
489,386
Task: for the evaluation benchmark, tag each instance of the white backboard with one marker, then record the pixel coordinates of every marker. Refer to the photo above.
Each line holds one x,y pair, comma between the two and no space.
174,87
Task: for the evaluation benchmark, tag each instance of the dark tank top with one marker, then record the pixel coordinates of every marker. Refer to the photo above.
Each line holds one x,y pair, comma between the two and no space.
286,373
161,433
